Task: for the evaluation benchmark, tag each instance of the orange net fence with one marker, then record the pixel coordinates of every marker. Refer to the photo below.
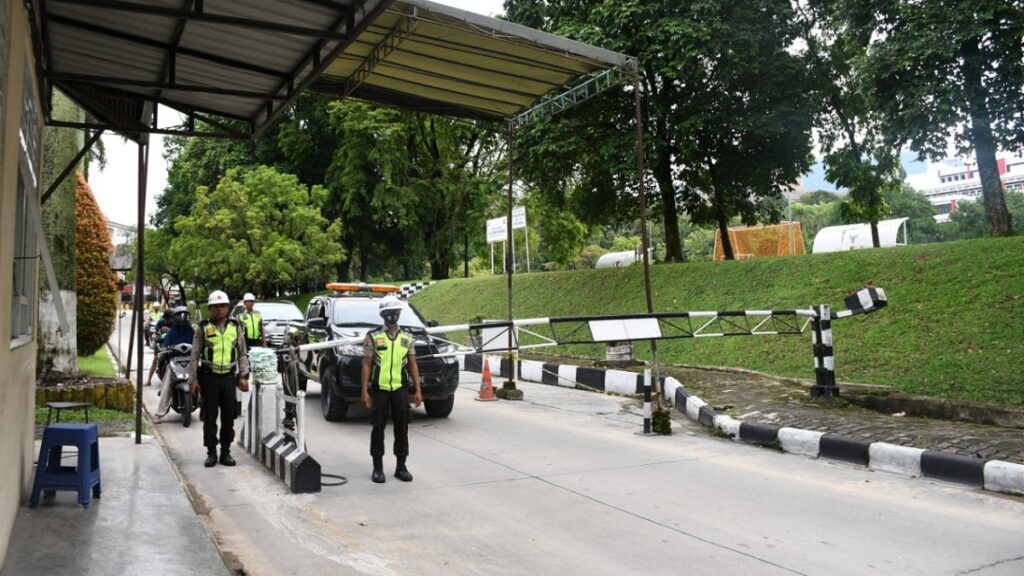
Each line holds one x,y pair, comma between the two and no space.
762,241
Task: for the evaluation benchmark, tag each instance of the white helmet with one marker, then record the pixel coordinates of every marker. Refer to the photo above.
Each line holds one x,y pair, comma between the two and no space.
156,305
218,297
248,297
389,302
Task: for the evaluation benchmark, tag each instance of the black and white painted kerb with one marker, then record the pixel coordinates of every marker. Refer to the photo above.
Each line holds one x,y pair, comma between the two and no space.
992,475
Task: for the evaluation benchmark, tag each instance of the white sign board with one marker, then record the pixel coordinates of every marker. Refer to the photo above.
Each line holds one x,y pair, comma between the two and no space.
518,218
497,230
496,339
625,329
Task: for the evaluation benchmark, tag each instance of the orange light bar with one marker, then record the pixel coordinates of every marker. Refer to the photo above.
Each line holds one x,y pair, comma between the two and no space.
361,287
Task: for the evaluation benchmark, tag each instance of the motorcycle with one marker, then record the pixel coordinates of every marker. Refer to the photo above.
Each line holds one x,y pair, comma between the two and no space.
183,401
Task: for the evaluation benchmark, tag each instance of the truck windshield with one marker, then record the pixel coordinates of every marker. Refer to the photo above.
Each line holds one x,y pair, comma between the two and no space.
367,313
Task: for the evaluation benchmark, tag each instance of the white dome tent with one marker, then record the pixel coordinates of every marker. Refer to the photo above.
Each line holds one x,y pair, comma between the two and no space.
891,232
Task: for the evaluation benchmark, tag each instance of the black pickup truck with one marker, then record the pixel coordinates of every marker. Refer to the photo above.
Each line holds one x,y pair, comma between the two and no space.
353,313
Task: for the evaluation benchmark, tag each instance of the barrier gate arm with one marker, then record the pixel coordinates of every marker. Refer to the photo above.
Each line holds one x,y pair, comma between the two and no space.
541,332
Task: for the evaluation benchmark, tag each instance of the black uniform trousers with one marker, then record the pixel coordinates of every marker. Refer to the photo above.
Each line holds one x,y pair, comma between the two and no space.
218,392
389,404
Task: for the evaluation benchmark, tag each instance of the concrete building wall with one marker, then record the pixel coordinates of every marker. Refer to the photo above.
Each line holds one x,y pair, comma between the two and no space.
17,356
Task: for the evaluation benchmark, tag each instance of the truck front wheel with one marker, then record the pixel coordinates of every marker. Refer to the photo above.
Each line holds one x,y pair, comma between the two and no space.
333,407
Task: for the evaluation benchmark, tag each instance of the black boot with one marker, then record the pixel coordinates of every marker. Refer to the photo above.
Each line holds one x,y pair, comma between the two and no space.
378,470
401,472
225,457
211,459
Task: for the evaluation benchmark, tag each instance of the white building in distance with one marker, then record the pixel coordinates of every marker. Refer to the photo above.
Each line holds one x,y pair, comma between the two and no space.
947,182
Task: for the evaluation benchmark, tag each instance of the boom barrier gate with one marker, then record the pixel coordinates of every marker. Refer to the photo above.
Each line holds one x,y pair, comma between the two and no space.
284,450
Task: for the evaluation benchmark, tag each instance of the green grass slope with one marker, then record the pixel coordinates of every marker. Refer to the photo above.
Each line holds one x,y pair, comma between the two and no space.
954,326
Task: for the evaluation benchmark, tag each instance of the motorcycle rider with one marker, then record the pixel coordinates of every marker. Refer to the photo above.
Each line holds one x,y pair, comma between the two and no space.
180,332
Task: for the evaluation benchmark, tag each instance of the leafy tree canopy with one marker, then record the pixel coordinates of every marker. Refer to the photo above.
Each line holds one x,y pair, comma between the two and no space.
259,231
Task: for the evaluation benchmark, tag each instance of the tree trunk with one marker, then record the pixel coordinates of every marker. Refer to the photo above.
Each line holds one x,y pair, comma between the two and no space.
984,144
669,211
438,269
723,230
875,240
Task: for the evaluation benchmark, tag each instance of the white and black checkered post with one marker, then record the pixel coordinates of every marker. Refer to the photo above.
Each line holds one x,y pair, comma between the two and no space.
647,401
824,361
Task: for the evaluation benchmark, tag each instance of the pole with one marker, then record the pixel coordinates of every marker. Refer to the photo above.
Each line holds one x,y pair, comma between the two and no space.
140,271
824,361
300,409
526,234
647,401
508,390
638,119
120,328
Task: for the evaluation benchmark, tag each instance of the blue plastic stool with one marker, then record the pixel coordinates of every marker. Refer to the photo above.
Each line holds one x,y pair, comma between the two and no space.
52,476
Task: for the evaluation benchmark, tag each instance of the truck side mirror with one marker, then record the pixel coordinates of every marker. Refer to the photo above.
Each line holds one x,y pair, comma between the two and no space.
317,323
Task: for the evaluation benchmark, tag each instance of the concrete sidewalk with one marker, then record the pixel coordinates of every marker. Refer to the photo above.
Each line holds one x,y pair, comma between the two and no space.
143,523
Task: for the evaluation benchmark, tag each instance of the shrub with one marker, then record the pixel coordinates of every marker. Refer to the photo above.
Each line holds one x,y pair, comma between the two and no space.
95,281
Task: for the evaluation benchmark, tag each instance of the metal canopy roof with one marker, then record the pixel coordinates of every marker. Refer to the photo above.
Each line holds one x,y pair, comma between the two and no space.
430,57
247,60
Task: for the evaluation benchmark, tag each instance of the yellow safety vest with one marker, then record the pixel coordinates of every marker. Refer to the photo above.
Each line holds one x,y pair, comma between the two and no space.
390,356
252,324
219,352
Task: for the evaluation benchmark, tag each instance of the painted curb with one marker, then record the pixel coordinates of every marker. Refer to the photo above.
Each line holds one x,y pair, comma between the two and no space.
990,475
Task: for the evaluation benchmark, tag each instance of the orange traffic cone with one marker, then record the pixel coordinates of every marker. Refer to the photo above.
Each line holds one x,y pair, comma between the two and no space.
486,387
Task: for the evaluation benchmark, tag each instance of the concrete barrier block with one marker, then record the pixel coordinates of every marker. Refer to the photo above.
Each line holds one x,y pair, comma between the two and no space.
758,433
567,376
728,425
894,458
621,382
669,388
953,468
706,416
531,370
693,406
798,441
1005,477
844,449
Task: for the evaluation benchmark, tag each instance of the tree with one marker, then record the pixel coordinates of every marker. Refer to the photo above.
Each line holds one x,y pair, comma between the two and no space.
259,231
413,185
855,155
922,228
818,197
195,162
941,69
95,281
814,217
726,119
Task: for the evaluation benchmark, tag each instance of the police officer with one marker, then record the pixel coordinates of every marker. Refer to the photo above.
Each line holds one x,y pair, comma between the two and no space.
252,321
220,363
389,363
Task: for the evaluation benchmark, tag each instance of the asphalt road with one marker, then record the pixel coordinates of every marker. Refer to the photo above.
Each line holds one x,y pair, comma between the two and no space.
562,483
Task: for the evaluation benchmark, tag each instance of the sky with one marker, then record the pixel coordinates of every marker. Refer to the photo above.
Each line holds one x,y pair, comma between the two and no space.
116,187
